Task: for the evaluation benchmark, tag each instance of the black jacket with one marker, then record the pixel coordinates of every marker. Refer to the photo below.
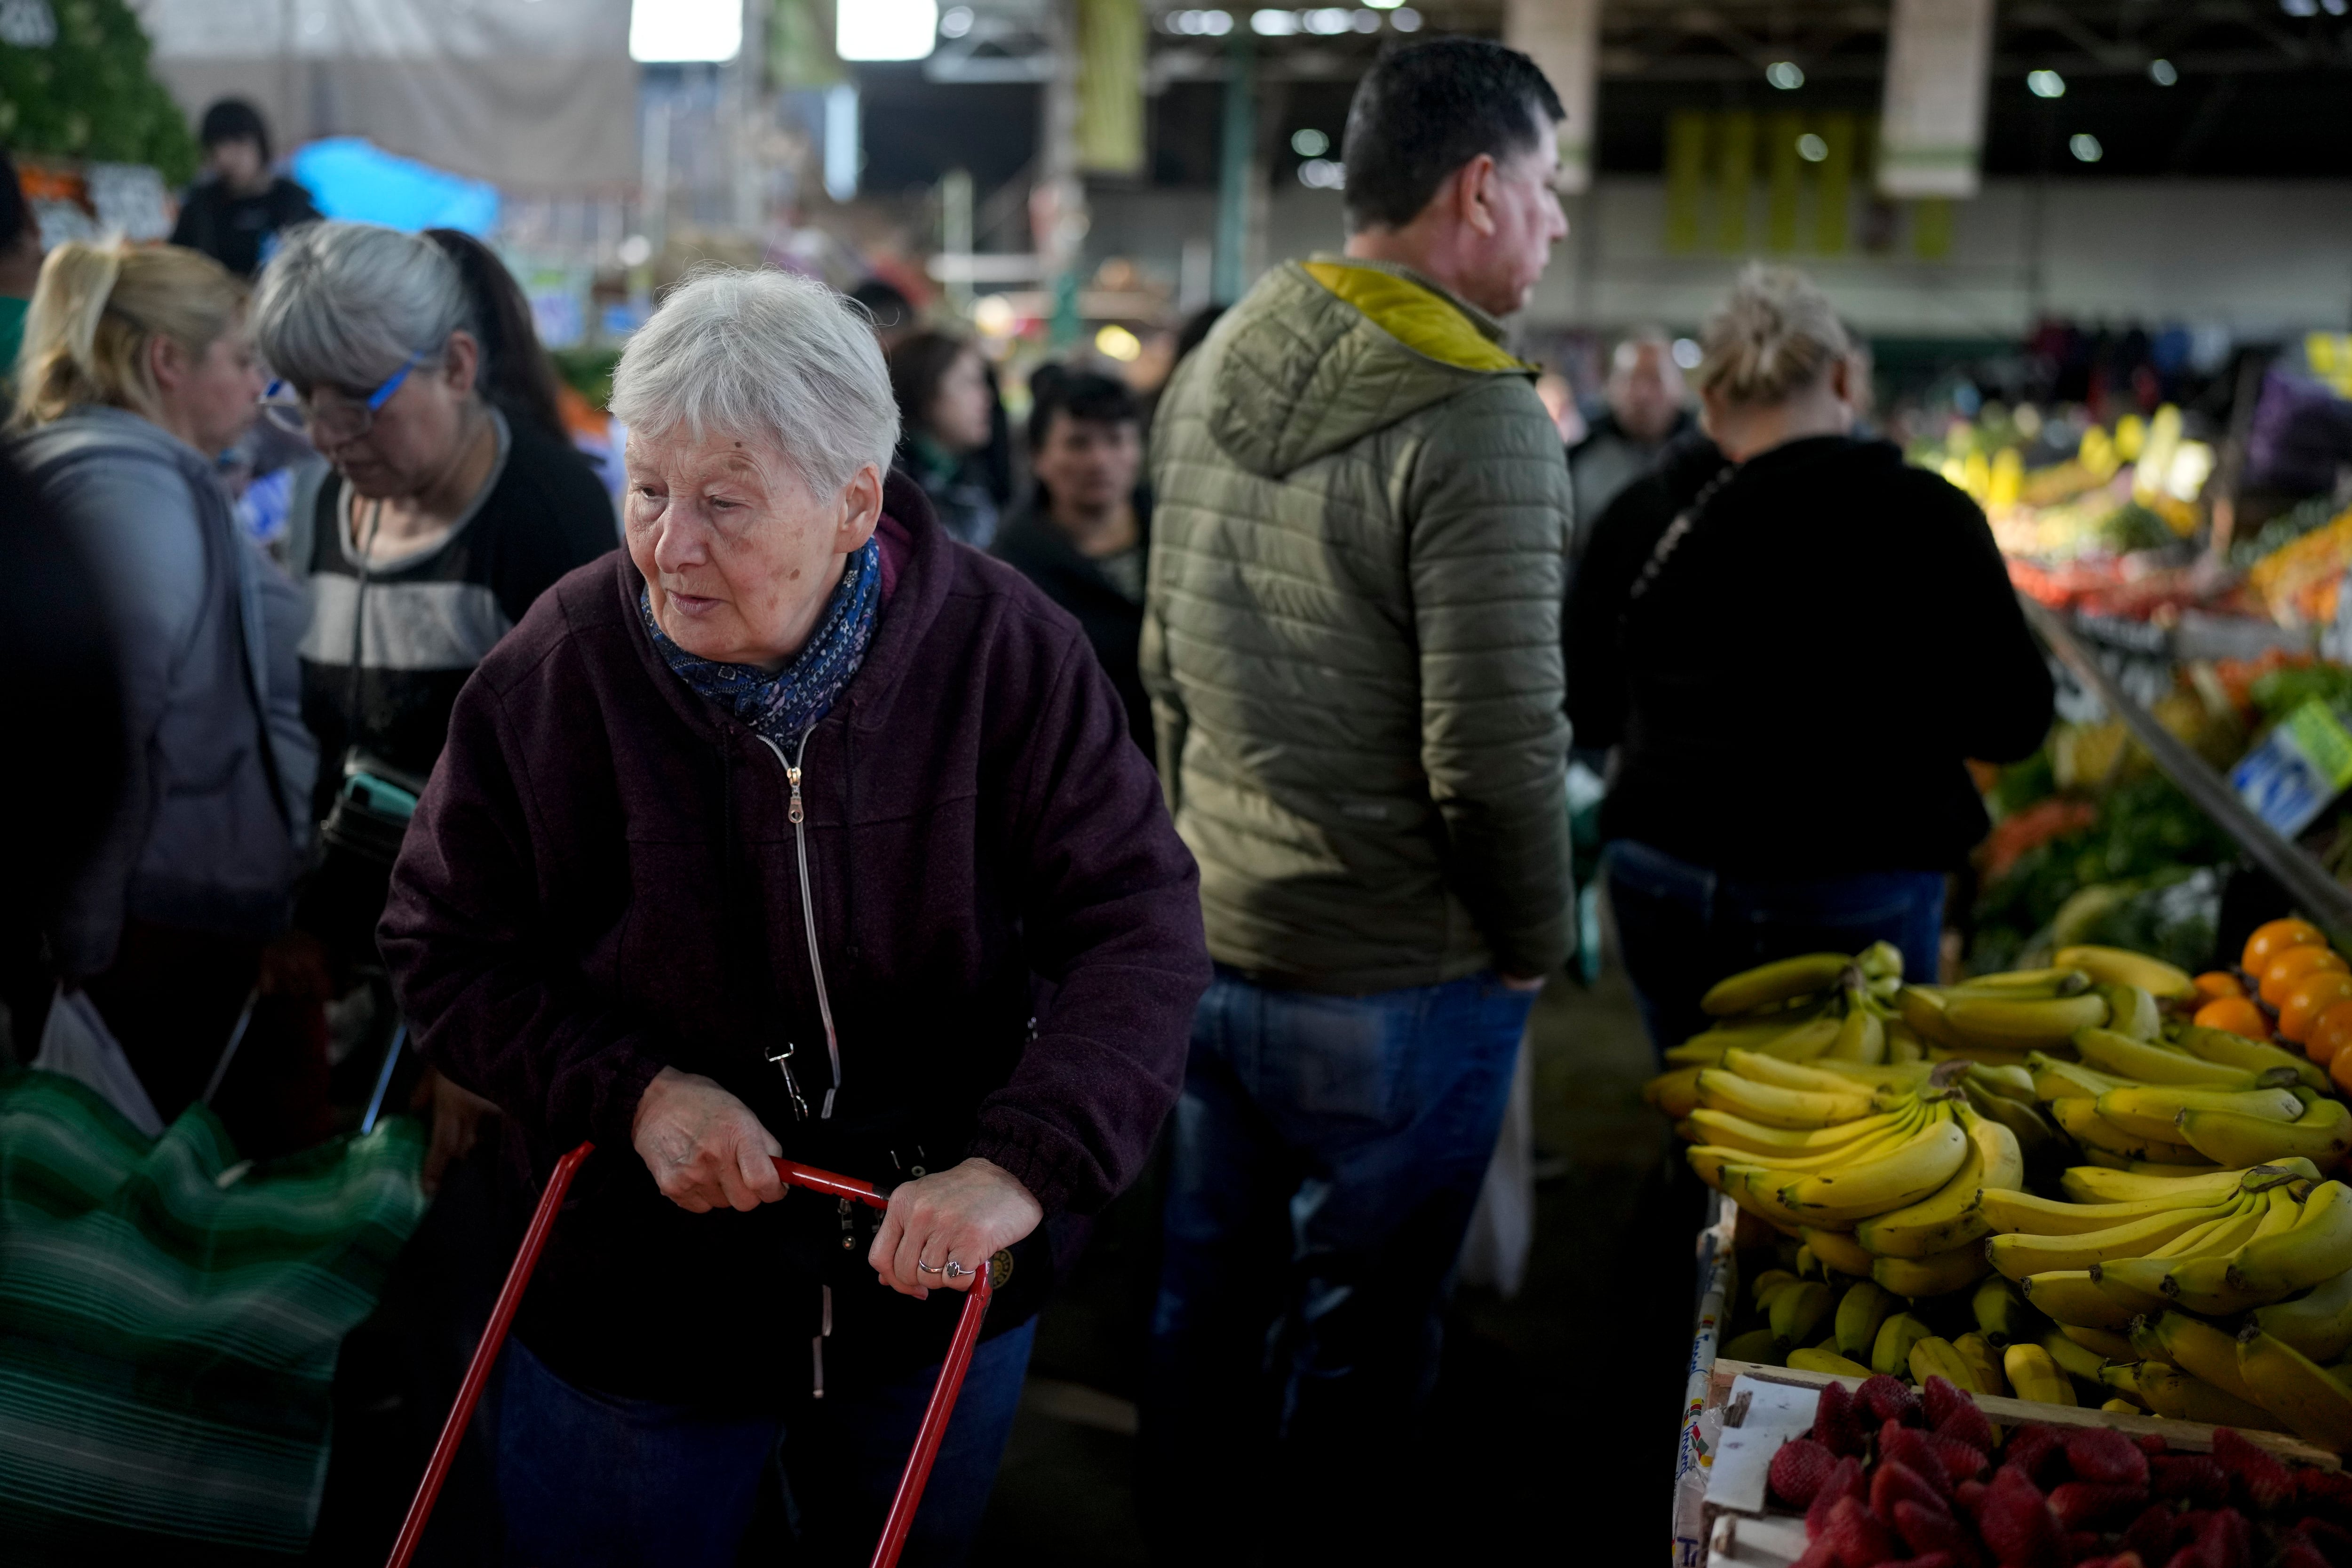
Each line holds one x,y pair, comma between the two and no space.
241,232
1031,545
1795,691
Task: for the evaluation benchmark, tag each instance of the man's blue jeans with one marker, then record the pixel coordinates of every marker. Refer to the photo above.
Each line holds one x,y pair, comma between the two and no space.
592,1480
1682,927
1326,1154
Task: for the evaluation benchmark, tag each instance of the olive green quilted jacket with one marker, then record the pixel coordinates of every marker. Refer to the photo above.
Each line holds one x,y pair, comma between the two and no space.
1352,637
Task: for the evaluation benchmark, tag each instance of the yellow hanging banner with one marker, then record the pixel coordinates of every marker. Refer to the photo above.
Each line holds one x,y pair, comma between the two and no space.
1784,167
1685,178
1109,133
1735,172
1834,195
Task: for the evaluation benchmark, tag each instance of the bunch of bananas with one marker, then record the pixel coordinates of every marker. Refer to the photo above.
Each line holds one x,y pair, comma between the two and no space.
2198,1101
1998,1018
1880,1171
1859,1328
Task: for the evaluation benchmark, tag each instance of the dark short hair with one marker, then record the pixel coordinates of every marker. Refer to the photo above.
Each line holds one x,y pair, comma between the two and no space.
1424,110
1078,394
885,302
918,364
15,213
516,374
233,119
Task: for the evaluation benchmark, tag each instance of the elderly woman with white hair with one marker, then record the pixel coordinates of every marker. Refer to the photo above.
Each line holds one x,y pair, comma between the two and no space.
798,829
1794,639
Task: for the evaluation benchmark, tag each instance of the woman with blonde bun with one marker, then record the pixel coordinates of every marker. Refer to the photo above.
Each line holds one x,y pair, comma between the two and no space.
136,372
1793,640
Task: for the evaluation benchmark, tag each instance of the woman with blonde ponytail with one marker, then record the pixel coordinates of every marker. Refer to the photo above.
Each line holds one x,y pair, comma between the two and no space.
137,371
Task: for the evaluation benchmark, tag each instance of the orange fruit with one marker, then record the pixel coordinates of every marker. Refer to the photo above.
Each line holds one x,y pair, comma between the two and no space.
2339,1070
2235,1016
2292,965
2307,998
2269,941
2329,1034
2216,983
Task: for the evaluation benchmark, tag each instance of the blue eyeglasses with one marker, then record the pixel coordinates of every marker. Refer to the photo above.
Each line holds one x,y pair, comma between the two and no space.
332,418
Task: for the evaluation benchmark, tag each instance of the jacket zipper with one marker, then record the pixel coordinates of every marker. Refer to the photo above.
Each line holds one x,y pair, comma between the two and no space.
808,921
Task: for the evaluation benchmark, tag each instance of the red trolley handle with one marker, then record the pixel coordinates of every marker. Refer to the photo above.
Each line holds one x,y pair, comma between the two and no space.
927,1437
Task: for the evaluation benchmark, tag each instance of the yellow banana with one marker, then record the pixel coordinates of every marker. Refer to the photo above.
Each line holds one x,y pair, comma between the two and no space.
2131,1012
2000,1311
2010,1083
2321,1135
1709,1159
2154,1110
2119,967
1777,1107
1762,1068
1890,1353
1755,1345
2074,1360
2025,984
1727,1130
2091,1185
2177,1396
1937,1274
2016,1025
2317,1247
2252,1055
2295,1389
1783,981
2147,1062
2203,1284
2069,1296
2018,1255
1903,1045
1817,1360
1921,1008
2123,1376
1907,1173
1803,1042
2033,1374
1707,1046
1952,1215
2318,1323
1897,1076
1861,1037
1860,1312
2080,1119
1837,1249
1676,1093
1760,1289
2026,1214
2199,1348
2104,1343
2036,1138
1936,1357
1880,960
1799,1310
2057,1080
1984,1362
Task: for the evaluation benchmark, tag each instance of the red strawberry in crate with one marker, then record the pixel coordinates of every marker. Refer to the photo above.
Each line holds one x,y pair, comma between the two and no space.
1799,1469
1888,1399
1926,1530
1962,1461
2220,1539
2333,1541
2260,1480
1932,1559
2155,1533
1970,1496
1844,1481
1952,1411
1840,1424
2197,1479
2298,1552
2103,1455
2328,1492
1914,1448
2035,1448
2017,1524
2094,1505
2152,1444
1895,1481
1857,1537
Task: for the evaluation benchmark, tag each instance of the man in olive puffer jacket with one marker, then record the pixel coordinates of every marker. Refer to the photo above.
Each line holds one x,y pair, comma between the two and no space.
1352,640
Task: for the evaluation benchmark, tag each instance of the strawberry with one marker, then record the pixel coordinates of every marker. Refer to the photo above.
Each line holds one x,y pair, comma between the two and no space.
2100,1453
2032,1447
2331,1541
1843,1481
2017,1523
2152,1444
1962,1460
2153,1533
2327,1492
2120,1559
1911,1447
2260,1480
1839,1424
2300,1553
1818,1555
1895,1481
1855,1534
2228,1540
2082,1545
2089,1505
1799,1469
1970,1496
2197,1479
1888,1399
1932,1559
1942,1396
1927,1530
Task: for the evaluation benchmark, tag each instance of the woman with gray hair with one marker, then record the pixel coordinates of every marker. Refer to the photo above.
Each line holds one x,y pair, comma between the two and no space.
795,830
1794,639
441,523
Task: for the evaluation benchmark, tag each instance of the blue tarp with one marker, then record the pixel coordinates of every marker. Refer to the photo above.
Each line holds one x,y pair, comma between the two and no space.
352,177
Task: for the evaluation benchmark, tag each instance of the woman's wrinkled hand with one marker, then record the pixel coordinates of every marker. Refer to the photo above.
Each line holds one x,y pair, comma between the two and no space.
705,1147
964,1215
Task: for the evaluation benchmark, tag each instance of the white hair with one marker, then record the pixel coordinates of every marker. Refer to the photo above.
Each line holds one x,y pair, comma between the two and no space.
769,357
347,304
1775,335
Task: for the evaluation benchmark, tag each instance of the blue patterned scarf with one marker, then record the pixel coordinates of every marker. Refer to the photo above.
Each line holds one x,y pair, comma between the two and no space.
783,705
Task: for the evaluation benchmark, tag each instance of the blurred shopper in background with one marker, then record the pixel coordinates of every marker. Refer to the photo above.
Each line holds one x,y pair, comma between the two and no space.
1646,410
1085,532
795,708
1351,638
442,520
894,316
239,208
947,410
20,267
137,372
517,378
1751,575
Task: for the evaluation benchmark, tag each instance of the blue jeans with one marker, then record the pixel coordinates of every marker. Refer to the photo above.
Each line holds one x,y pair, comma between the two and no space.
1682,927
1326,1154
592,1480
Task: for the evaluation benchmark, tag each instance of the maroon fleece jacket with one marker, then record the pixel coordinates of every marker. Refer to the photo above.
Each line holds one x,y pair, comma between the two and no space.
602,880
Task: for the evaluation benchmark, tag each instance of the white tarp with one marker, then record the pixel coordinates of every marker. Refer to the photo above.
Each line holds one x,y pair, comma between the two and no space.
1931,132
533,95
1563,37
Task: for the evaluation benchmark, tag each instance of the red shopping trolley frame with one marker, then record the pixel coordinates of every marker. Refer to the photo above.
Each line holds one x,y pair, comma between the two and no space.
543,1221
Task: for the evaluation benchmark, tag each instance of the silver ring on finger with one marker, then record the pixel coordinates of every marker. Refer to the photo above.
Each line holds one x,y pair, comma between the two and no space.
956,1271
922,1267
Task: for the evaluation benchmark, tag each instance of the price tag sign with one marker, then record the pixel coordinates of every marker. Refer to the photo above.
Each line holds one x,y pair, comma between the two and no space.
2303,763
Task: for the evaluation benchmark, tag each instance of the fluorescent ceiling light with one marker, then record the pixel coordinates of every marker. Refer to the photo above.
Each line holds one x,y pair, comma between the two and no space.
886,29
663,31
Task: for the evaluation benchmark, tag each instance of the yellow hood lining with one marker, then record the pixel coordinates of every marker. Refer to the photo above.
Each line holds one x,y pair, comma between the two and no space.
1420,318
